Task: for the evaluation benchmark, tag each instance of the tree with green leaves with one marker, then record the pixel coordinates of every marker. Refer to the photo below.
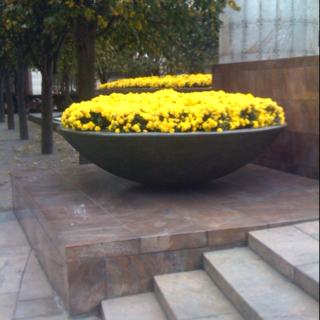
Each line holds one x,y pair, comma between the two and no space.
2,109
7,67
45,27
14,52
113,18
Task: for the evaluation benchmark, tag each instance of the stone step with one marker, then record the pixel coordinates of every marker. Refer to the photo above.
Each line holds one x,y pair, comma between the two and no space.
257,290
137,307
292,252
193,295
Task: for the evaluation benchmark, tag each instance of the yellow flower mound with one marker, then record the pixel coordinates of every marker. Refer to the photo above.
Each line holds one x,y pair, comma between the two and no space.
169,82
168,111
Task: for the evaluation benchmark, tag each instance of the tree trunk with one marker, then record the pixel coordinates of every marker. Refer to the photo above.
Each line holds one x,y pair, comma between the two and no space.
47,107
85,36
10,111
2,111
67,84
23,123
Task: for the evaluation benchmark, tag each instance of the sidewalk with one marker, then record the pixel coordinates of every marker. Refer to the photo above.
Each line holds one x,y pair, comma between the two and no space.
17,155
25,292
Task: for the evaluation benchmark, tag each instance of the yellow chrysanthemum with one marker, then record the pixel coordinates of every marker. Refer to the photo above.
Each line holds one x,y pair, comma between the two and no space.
168,111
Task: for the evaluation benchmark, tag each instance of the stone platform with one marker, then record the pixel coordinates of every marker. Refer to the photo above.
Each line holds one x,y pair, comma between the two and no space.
99,236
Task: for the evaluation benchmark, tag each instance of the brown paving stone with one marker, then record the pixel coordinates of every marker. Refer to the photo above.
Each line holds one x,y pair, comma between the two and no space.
188,238
80,252
134,274
275,213
7,305
34,282
138,307
156,222
84,216
87,286
37,308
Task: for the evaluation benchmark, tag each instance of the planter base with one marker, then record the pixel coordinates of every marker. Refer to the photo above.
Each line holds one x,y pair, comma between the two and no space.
178,159
98,236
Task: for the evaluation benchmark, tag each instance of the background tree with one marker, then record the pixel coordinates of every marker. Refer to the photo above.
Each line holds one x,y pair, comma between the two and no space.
14,49
7,68
95,18
2,111
45,28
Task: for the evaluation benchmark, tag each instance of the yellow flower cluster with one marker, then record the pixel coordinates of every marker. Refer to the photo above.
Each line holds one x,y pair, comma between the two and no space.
168,111
169,82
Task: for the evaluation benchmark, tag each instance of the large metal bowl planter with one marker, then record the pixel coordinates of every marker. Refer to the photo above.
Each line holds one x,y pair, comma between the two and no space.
176,159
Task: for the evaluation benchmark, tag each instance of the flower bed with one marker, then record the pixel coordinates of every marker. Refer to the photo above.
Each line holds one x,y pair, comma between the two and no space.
168,82
168,111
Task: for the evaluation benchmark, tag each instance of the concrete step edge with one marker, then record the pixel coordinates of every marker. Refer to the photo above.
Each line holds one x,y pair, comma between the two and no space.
192,295
244,305
136,307
285,267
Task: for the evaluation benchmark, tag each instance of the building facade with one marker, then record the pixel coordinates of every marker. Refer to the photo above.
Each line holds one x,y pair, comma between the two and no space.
269,29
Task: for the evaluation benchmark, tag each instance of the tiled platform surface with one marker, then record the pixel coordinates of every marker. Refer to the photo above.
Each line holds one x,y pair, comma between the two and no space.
99,236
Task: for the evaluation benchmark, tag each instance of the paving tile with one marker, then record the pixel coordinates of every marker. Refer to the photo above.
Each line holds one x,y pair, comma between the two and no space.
34,283
307,278
138,307
11,271
7,217
192,295
188,238
81,252
7,305
275,213
14,251
58,317
285,248
212,216
311,228
256,289
87,286
134,274
38,308
156,222
8,228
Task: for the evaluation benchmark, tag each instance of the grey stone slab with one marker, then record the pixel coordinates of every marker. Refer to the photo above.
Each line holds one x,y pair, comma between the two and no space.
138,307
14,251
311,228
7,306
11,234
257,290
38,308
34,283
7,216
192,295
11,271
58,317
307,278
285,248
